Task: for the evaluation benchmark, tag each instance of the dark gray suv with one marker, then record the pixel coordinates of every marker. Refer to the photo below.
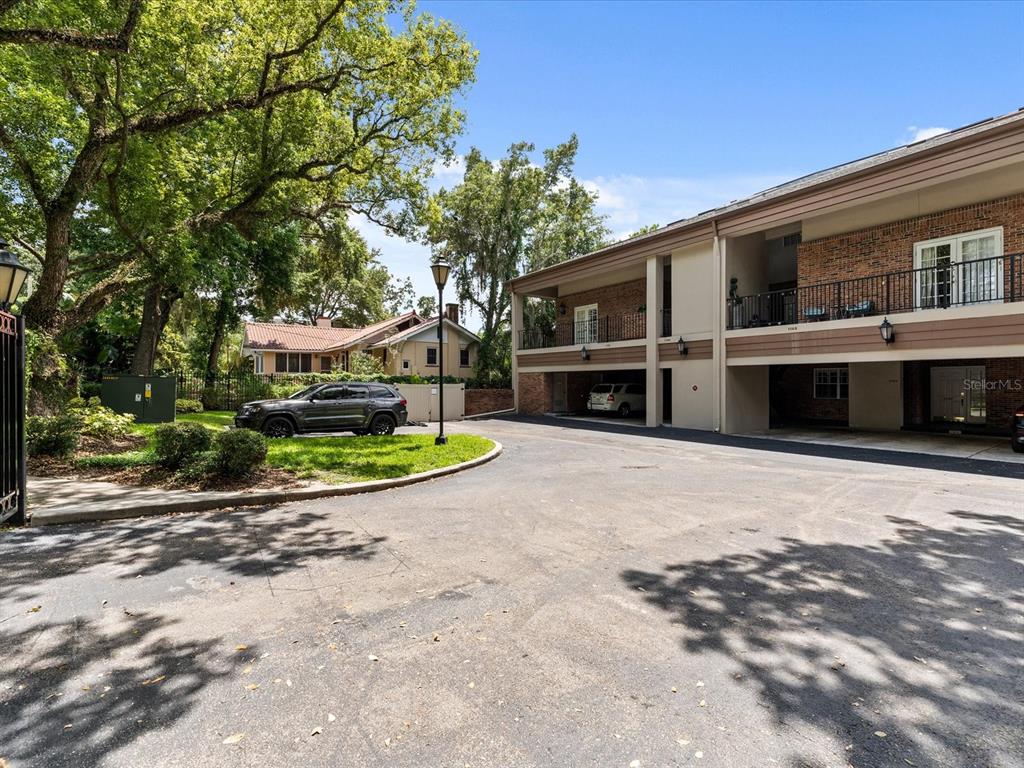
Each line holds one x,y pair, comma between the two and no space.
365,408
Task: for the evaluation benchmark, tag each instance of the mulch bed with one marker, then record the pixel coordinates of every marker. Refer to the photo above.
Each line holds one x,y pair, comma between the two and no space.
266,477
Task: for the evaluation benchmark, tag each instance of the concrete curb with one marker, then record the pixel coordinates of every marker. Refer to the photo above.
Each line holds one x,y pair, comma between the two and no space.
60,515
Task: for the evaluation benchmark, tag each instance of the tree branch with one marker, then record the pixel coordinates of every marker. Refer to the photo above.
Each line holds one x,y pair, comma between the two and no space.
8,145
73,38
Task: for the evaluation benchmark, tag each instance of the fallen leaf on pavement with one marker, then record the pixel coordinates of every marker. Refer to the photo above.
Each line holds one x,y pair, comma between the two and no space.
881,734
331,718
34,610
253,686
241,647
153,680
315,732
234,738
371,657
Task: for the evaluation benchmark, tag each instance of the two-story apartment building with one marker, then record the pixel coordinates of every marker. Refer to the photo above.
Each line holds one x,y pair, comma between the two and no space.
886,293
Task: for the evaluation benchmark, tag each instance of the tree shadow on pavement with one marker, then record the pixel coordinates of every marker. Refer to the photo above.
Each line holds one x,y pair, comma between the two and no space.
252,542
83,689
910,650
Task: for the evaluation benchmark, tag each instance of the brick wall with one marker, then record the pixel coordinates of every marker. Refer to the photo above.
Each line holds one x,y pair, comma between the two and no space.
488,400
793,400
890,247
535,391
622,300
1004,391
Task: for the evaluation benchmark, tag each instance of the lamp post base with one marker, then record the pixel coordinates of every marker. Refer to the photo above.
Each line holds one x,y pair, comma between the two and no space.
440,440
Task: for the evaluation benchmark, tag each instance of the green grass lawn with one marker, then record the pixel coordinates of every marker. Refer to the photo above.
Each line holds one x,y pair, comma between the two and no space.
332,459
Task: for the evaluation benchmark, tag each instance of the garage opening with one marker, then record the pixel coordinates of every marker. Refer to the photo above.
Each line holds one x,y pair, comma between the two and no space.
573,392
809,396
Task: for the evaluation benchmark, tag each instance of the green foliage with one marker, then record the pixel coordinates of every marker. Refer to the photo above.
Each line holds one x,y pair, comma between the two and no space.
506,218
184,405
51,381
363,365
426,306
178,445
52,435
98,421
239,452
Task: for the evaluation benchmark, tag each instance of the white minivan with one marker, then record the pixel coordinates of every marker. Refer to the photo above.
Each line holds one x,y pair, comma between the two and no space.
623,399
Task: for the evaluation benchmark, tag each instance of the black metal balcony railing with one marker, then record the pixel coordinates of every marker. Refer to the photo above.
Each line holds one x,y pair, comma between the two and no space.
567,333
957,284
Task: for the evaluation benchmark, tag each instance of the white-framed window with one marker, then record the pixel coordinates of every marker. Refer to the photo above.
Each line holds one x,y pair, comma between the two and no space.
960,269
406,365
831,383
464,357
431,355
257,363
585,318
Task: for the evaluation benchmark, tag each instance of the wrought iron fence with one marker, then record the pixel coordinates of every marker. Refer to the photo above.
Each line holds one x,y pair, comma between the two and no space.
997,279
12,418
565,333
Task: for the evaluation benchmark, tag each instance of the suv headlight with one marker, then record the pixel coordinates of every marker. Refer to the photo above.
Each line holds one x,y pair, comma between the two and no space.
246,410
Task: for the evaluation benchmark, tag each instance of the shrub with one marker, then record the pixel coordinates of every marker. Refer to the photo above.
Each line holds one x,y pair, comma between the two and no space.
98,421
177,445
183,405
203,466
239,452
52,435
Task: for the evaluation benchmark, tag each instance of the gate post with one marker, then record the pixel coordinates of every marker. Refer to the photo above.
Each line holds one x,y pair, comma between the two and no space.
19,516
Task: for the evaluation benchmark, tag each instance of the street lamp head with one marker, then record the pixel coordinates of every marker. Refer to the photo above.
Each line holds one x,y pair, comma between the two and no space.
886,331
440,268
12,276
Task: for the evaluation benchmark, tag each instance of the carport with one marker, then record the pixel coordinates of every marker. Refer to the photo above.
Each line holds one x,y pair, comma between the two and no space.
571,389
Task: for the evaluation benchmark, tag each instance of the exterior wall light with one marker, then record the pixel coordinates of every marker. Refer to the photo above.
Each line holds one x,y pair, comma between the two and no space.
887,332
681,344
585,353
562,308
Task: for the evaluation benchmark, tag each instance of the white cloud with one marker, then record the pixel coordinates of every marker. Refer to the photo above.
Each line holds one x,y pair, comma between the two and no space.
915,134
631,202
449,173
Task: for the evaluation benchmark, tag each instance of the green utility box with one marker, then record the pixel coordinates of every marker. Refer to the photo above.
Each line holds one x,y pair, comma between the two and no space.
149,398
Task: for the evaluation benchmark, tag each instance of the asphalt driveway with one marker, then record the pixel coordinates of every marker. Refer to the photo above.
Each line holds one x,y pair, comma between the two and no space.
591,598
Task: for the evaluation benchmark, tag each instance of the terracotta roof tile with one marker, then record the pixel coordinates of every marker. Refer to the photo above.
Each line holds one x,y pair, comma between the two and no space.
292,336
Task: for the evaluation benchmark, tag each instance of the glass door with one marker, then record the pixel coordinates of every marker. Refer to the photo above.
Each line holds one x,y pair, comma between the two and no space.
586,324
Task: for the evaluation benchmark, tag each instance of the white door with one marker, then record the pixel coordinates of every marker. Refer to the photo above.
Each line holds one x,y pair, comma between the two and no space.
586,324
958,394
954,271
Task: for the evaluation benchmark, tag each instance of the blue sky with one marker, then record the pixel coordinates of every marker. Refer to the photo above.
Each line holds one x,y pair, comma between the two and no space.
680,107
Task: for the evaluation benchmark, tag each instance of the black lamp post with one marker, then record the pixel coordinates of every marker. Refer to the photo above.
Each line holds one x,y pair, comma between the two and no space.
440,268
13,480
12,276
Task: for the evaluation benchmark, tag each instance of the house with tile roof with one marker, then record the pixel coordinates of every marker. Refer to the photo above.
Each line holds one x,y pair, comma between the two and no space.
405,344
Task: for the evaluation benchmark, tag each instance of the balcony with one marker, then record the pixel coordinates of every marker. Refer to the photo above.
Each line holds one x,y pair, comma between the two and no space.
954,284
566,333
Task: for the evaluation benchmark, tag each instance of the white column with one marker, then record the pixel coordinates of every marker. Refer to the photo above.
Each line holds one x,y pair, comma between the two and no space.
517,325
718,340
653,410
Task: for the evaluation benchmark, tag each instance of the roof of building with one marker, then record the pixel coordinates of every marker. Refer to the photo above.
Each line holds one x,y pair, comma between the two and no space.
370,333
821,177
294,337
425,326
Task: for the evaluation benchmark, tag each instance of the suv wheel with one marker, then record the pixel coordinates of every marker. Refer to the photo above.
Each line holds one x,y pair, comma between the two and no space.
382,425
278,426
624,410
1018,447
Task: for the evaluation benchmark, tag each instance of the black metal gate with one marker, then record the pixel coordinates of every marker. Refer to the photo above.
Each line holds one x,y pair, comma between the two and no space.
12,418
